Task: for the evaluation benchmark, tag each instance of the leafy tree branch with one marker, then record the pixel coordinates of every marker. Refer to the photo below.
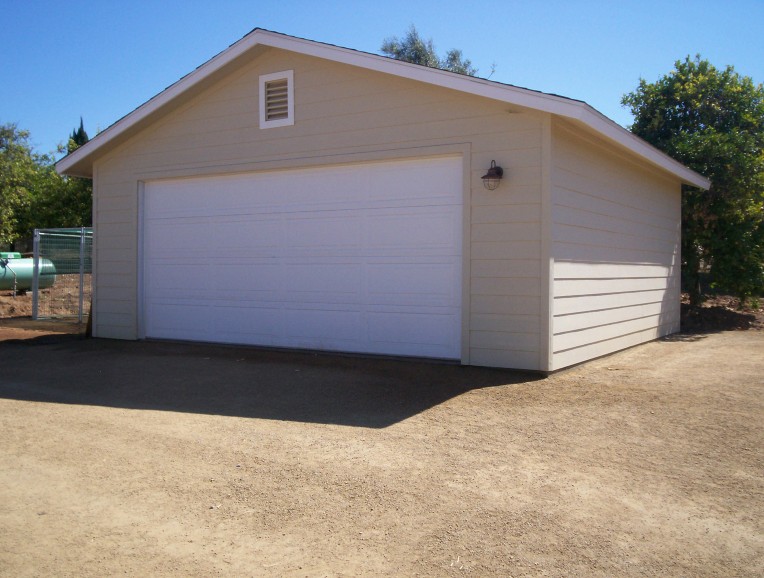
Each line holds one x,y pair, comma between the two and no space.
712,120
413,48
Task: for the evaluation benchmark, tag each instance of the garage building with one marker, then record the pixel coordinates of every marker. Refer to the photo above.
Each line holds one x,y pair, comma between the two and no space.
289,193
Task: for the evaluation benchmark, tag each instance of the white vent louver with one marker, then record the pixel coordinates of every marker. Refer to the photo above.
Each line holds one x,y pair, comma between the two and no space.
277,99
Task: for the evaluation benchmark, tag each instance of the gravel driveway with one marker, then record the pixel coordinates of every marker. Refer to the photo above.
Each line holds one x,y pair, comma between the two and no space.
191,460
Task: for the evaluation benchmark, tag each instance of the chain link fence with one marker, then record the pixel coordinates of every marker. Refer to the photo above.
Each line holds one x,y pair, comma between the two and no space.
63,264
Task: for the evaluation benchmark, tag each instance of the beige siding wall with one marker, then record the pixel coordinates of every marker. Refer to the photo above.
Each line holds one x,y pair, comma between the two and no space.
346,114
615,245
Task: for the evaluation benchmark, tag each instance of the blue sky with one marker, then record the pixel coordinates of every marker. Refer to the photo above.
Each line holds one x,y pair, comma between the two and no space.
100,59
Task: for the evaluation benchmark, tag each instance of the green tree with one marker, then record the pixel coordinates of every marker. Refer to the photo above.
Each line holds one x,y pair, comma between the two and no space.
78,138
56,202
18,168
32,194
413,48
712,121
72,203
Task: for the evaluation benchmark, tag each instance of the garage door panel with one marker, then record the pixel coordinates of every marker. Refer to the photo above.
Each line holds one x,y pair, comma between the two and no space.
234,235
319,328
361,258
419,182
433,185
428,335
175,236
246,276
181,319
167,278
322,231
414,284
420,231
323,282
237,324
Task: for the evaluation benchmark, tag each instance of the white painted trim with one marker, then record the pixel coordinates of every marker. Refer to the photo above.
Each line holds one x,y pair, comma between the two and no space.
94,259
546,278
466,297
139,276
572,109
264,80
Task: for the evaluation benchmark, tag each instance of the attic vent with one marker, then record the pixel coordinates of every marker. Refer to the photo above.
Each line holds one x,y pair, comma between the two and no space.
277,99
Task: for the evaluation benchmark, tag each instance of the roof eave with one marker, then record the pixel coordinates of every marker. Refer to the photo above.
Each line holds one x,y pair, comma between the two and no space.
615,132
79,163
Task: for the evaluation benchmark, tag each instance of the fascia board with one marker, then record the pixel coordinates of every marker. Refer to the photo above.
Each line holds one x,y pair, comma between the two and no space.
609,129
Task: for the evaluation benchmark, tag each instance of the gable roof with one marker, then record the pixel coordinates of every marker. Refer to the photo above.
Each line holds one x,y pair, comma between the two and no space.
79,162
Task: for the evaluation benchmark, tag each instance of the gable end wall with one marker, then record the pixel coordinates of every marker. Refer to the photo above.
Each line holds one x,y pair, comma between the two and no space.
345,114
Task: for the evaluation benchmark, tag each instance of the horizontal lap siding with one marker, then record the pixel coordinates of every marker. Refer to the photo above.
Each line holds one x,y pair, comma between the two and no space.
115,248
615,243
344,114
505,264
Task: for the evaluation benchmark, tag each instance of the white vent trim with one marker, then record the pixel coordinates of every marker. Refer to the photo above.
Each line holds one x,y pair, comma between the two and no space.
277,99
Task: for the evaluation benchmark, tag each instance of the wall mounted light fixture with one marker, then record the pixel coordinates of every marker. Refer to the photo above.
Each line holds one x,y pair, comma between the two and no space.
492,178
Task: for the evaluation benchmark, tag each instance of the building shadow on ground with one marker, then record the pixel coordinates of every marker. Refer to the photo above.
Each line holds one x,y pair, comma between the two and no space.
235,381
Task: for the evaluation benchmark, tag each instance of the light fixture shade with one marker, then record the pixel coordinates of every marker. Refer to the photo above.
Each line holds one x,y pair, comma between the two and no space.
493,177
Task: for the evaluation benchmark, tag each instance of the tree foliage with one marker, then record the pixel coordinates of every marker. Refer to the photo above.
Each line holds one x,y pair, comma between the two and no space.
32,194
413,48
78,138
712,121
18,179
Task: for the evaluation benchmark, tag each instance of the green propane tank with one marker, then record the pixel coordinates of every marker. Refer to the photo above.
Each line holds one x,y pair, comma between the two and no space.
24,270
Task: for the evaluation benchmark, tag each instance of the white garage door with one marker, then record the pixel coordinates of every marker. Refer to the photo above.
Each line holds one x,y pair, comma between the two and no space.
357,258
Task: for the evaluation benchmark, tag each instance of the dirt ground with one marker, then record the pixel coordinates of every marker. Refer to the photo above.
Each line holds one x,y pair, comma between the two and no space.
169,459
59,301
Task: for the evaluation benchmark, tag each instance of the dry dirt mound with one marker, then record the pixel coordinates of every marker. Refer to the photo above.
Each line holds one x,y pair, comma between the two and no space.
720,313
19,306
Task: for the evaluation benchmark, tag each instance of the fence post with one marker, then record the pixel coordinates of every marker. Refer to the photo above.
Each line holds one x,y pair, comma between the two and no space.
82,273
36,273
